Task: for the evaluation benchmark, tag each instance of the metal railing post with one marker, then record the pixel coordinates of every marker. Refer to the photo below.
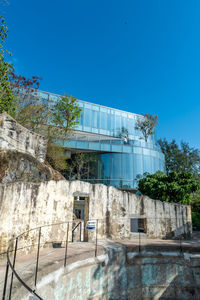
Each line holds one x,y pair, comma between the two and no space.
72,236
96,239
80,230
181,250
65,261
139,242
73,230
5,281
14,259
38,254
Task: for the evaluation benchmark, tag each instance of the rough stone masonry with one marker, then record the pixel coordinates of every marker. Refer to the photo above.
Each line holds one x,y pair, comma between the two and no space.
13,136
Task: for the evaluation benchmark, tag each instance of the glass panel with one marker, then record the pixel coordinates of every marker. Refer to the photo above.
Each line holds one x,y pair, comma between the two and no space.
89,106
87,117
105,158
94,145
95,119
131,126
116,166
147,164
109,122
112,122
95,107
155,165
102,131
103,109
127,164
127,149
116,183
117,122
146,151
153,153
82,145
138,150
81,119
117,148
125,123
103,120
138,165
105,147
95,130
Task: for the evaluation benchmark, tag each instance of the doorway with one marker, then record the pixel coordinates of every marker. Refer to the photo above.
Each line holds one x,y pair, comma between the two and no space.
81,216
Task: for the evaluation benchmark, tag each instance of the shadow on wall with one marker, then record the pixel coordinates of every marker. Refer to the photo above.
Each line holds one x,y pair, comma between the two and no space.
109,280
184,231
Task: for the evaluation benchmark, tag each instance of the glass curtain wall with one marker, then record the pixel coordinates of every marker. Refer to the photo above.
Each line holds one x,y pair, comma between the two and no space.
121,154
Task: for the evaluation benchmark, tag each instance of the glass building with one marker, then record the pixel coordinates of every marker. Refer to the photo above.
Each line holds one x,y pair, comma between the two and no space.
120,151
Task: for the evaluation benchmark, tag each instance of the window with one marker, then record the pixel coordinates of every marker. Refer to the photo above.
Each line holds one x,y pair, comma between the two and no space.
138,225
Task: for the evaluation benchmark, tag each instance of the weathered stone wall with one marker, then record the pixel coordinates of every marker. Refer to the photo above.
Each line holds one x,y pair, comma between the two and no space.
24,206
122,276
15,137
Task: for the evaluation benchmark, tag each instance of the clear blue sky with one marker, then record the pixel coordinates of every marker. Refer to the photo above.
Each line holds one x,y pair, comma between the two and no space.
138,56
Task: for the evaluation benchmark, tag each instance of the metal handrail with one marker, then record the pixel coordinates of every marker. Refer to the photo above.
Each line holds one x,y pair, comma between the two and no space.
11,265
79,223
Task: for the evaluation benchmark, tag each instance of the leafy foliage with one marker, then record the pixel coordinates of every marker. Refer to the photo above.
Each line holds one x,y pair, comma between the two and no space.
196,220
195,203
66,113
6,96
56,156
147,125
174,187
180,159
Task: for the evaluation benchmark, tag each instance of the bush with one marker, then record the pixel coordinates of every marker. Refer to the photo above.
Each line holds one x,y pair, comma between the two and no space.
174,187
196,220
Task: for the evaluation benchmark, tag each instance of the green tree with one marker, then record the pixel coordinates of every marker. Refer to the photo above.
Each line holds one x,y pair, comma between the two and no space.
6,96
180,159
174,187
147,125
65,115
62,118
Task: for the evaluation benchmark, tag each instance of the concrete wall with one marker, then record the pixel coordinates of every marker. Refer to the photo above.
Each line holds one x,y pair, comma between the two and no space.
13,136
24,206
124,275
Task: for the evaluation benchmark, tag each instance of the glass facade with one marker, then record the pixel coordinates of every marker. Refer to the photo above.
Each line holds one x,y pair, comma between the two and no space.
121,153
